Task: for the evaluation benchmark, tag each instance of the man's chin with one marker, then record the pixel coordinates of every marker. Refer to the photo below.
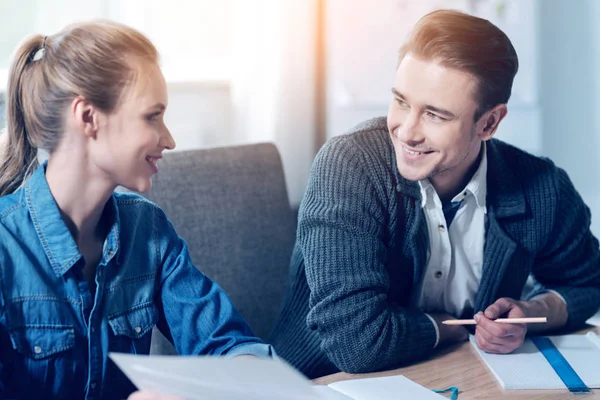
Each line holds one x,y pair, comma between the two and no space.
413,174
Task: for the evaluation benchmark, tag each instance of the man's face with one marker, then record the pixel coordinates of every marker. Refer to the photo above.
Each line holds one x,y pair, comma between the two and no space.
430,121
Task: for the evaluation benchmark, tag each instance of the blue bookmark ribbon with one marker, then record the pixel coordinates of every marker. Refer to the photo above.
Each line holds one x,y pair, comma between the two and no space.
453,392
562,367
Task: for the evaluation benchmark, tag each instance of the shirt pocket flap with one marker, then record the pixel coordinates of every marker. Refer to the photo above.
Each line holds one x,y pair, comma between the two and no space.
134,323
42,341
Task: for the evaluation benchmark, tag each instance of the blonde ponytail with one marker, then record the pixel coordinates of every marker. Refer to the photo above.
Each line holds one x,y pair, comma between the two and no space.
19,156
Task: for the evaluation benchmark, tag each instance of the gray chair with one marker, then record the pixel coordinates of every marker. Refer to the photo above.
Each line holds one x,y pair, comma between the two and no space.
231,206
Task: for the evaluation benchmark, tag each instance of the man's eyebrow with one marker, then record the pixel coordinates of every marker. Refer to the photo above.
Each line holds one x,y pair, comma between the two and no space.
397,93
445,113
435,109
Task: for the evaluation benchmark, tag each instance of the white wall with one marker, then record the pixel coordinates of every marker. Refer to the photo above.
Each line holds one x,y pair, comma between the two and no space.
199,114
569,93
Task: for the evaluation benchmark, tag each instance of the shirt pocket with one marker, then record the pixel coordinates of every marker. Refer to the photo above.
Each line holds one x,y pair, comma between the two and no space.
45,357
132,329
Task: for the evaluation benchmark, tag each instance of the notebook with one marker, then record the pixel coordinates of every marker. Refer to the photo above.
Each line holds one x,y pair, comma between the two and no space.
219,378
383,388
527,368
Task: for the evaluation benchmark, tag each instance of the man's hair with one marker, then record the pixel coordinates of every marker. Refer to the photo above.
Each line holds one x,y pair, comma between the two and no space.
470,44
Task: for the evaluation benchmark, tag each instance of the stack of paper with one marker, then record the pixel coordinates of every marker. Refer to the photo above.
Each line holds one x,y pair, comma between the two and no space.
219,378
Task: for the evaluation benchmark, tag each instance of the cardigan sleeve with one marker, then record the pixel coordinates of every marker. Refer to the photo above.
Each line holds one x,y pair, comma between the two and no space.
570,262
340,232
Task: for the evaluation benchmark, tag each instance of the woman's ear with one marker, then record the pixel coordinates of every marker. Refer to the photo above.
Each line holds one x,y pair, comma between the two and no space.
85,117
489,121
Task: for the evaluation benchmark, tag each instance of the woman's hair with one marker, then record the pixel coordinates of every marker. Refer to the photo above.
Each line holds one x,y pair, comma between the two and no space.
95,60
470,44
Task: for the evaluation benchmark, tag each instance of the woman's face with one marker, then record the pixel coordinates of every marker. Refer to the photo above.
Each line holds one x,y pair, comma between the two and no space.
132,138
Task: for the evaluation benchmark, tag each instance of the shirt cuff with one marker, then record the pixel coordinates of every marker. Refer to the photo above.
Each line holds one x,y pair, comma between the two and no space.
260,350
560,296
437,330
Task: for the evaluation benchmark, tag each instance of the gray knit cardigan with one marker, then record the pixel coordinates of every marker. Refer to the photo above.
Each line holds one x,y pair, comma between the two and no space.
362,245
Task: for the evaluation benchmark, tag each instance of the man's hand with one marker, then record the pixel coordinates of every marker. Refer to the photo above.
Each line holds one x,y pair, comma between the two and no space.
501,338
449,333
497,337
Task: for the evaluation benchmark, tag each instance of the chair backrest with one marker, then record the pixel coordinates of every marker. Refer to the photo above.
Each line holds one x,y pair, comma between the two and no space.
231,206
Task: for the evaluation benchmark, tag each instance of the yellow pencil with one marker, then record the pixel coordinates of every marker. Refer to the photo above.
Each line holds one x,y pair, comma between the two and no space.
533,320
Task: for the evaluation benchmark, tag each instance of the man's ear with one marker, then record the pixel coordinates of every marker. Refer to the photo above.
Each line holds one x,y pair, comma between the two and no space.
85,116
489,121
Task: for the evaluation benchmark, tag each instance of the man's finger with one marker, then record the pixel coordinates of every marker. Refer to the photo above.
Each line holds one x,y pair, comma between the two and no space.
500,307
499,329
487,346
488,337
508,345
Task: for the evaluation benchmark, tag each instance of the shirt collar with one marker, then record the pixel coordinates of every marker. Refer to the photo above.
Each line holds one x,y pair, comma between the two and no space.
477,186
56,239
427,192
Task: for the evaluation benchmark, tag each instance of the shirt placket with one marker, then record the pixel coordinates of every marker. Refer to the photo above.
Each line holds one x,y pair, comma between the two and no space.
435,279
95,340
440,273
97,346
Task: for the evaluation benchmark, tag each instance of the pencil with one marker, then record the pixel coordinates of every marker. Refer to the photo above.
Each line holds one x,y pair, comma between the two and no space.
534,320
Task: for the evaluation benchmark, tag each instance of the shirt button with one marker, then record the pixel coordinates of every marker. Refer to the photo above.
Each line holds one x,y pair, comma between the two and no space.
93,385
438,274
37,349
138,329
93,329
100,274
442,228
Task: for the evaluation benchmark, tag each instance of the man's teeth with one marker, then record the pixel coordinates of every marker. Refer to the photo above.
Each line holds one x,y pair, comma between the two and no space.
152,160
414,153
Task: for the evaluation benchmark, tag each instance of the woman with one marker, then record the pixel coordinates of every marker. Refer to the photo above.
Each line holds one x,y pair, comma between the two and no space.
84,270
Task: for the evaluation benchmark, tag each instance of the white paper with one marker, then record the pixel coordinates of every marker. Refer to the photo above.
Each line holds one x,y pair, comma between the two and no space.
395,387
527,368
594,320
219,378
327,393
216,378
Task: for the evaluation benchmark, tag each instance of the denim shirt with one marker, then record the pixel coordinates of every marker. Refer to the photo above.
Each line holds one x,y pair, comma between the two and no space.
55,337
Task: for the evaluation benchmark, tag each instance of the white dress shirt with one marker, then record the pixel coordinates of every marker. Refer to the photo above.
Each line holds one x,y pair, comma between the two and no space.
455,256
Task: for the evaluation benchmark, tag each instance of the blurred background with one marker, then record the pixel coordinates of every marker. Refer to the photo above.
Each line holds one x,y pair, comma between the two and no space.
298,72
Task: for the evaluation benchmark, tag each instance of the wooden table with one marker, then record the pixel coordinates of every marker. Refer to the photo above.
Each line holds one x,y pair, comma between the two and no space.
461,366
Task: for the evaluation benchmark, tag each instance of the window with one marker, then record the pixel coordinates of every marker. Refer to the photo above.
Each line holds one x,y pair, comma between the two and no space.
193,37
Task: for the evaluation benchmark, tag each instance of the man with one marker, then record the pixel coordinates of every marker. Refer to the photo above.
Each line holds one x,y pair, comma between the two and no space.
425,217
